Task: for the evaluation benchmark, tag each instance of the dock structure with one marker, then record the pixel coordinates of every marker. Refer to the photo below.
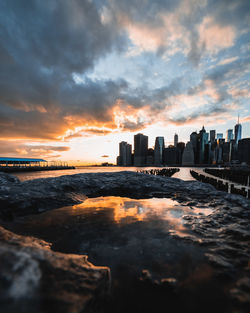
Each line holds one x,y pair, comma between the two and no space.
222,184
11,165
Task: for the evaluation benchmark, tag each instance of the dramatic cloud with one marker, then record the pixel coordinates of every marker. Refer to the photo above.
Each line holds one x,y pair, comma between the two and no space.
83,68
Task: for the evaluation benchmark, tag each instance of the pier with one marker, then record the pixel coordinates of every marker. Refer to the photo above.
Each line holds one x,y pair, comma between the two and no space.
14,165
221,184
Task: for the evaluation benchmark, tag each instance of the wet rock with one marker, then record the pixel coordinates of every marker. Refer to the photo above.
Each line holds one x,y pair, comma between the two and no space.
35,279
218,261
6,179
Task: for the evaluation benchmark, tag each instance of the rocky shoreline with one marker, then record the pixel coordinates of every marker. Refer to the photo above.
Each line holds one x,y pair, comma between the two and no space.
223,237
34,196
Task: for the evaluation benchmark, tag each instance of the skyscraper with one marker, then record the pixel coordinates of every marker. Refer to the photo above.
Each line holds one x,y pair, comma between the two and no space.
175,140
229,135
244,150
141,149
188,155
158,152
212,135
202,140
180,148
194,140
237,131
125,151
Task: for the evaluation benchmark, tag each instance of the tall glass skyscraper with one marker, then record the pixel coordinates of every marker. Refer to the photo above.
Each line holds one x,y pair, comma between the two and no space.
229,135
212,135
158,152
237,132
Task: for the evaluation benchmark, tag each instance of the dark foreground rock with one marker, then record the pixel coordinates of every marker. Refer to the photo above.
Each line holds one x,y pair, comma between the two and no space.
55,281
29,197
35,279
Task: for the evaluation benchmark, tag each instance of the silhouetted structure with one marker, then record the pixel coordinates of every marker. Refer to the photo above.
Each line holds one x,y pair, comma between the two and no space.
244,150
180,148
140,149
125,151
170,155
150,156
158,152
212,136
188,155
202,149
175,140
202,141
237,131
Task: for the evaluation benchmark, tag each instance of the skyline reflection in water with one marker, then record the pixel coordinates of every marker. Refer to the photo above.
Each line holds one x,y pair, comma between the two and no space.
126,210
167,213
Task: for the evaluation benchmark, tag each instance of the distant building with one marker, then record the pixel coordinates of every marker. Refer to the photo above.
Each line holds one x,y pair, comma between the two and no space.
125,151
219,151
229,136
140,149
170,155
188,155
129,155
212,136
233,153
150,157
175,140
118,161
237,132
194,140
158,152
202,141
244,150
180,148
219,136
226,152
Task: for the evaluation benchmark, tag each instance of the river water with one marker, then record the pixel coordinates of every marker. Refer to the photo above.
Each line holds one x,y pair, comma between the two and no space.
184,172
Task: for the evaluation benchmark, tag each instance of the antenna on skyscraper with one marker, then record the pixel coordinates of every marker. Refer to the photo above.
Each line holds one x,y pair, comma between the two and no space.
238,118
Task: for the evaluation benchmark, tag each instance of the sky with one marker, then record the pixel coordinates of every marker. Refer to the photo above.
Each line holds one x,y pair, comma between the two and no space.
77,77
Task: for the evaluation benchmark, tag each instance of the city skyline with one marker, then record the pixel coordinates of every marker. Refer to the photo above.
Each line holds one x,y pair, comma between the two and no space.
78,77
202,148
208,130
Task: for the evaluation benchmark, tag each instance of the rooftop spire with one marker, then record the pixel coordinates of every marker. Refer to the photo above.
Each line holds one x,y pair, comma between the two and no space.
238,118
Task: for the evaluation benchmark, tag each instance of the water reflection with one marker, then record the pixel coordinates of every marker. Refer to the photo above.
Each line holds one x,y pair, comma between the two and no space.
126,210
127,235
169,215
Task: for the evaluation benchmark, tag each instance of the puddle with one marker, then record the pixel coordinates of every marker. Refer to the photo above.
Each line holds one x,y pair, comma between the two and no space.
169,214
115,230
